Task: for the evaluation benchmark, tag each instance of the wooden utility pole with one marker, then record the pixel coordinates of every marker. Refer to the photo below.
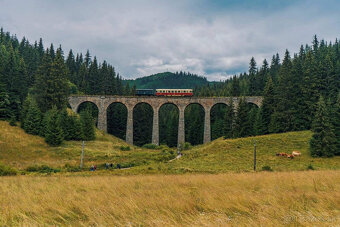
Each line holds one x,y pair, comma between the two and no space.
82,155
254,155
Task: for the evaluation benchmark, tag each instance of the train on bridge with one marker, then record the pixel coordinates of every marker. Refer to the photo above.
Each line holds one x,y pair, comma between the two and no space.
164,92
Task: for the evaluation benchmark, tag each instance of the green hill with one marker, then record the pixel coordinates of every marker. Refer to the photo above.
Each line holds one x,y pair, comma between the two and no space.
21,150
168,80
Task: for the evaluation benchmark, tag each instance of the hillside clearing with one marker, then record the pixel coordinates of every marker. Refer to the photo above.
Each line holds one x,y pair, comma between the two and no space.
20,150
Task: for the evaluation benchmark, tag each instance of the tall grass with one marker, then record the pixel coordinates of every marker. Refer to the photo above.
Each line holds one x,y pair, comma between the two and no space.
305,198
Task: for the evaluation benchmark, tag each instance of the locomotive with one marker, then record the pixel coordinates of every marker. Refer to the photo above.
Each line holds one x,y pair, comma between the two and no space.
164,92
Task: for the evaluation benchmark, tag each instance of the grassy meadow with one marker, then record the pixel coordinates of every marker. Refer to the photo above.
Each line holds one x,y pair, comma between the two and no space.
20,150
303,198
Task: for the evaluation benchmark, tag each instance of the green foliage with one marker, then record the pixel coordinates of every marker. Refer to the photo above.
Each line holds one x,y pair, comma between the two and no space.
87,125
125,148
7,171
310,167
32,121
169,80
142,128
4,103
13,121
42,169
194,124
186,146
54,132
151,146
267,168
323,141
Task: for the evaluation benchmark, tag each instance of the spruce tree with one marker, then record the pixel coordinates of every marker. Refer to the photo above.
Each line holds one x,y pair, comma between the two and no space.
228,120
87,124
32,121
336,125
243,125
267,108
74,129
5,111
323,141
54,132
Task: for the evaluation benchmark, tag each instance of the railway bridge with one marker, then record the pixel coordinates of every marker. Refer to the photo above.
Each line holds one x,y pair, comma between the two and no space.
103,102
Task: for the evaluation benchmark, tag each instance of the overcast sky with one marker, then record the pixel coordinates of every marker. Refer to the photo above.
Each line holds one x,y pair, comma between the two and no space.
143,37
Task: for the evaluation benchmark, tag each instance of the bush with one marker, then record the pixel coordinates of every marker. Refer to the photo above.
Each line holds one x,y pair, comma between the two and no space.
42,169
310,167
267,168
186,146
70,168
151,146
7,171
125,148
13,121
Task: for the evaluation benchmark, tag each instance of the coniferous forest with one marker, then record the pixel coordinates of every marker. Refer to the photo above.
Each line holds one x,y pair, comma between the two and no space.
301,92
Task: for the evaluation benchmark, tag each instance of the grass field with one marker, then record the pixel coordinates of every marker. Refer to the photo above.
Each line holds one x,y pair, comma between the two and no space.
20,150
211,185
303,198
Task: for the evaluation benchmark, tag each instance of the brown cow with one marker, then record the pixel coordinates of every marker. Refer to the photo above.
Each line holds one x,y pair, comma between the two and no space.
290,156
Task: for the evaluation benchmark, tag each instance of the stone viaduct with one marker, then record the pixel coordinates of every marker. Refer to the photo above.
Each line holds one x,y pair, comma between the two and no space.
103,102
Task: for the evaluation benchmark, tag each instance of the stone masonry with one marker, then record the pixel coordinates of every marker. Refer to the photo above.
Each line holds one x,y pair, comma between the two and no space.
102,103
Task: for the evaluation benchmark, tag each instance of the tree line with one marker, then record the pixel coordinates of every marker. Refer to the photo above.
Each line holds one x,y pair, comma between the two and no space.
35,83
300,93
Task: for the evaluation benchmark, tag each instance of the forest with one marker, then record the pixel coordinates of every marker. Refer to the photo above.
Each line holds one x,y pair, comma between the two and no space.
301,92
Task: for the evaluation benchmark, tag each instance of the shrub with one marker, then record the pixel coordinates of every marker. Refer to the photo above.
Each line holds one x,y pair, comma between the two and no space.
42,169
70,168
187,146
151,146
125,148
13,121
310,167
267,168
7,171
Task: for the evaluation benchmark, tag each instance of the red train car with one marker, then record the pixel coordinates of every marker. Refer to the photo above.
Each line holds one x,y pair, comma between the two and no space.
174,92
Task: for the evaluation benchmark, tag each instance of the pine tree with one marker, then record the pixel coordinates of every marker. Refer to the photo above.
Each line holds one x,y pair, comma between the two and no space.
52,87
267,108
282,120
54,132
87,124
5,111
228,120
243,125
323,141
74,129
252,76
33,119
336,125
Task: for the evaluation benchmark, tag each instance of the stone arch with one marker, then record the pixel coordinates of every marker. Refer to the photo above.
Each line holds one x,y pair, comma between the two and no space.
168,123
116,114
143,114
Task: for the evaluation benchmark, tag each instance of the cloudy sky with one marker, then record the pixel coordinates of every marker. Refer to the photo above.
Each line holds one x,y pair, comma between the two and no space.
214,38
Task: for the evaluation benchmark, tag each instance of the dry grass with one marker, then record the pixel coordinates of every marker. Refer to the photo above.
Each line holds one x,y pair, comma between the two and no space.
305,198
